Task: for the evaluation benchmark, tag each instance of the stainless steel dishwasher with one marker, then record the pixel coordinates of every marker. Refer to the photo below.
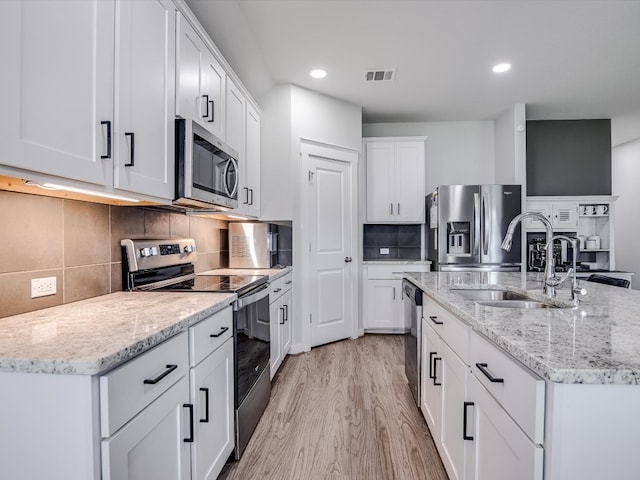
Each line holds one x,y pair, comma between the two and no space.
412,299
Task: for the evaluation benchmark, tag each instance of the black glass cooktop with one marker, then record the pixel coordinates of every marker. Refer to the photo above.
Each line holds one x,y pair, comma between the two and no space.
238,284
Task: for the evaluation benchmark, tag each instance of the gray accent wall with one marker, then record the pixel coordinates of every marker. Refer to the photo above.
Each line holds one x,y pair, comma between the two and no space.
569,157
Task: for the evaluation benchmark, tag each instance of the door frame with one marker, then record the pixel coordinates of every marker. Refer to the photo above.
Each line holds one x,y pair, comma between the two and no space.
301,239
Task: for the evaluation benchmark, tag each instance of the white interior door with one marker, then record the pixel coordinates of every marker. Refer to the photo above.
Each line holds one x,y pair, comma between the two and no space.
330,226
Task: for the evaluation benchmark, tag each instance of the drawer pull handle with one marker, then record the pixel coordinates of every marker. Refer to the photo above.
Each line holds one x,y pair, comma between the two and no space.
222,330
465,436
206,405
434,319
282,316
190,407
288,282
483,368
435,371
276,290
153,381
431,354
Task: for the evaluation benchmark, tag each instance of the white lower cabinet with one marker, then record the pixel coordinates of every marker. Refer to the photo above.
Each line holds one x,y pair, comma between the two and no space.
498,448
280,310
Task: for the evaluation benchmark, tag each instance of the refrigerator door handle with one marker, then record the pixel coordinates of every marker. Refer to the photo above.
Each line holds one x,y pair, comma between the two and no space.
476,224
485,230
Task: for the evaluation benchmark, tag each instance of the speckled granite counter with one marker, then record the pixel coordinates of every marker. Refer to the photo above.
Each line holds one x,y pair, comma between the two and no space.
92,336
396,262
597,343
274,273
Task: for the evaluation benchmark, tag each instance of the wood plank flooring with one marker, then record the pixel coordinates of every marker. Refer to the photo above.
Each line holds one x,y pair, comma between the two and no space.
342,411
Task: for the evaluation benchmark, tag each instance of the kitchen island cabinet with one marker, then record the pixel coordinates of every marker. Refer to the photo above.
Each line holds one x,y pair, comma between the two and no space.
65,408
542,381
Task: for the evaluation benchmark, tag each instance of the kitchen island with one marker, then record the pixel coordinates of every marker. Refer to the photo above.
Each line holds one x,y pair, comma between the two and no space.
572,403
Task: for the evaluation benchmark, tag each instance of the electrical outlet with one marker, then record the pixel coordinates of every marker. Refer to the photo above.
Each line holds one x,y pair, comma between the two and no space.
41,287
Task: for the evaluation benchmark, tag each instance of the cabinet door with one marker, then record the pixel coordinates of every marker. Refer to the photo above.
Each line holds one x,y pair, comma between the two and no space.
454,390
212,396
235,113
276,313
152,444
380,159
409,182
145,97
212,85
57,87
286,329
250,198
384,305
191,102
431,380
499,449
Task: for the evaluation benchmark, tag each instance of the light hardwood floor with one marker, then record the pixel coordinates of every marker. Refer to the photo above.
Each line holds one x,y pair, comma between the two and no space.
342,411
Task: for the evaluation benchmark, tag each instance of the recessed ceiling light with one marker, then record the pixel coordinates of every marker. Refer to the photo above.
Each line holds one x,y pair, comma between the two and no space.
318,73
501,68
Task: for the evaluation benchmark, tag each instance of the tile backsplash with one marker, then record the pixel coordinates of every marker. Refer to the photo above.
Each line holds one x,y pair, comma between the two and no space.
78,243
401,242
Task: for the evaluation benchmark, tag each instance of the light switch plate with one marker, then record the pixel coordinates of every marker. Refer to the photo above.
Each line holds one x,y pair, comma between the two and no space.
384,251
41,287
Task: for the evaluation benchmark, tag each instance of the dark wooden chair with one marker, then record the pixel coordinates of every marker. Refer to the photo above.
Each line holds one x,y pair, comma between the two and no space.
616,282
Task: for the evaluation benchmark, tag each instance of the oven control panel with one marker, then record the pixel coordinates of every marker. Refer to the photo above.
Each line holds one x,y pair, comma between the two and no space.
145,254
173,249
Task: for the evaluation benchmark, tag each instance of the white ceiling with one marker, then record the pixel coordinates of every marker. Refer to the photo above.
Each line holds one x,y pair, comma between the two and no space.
571,58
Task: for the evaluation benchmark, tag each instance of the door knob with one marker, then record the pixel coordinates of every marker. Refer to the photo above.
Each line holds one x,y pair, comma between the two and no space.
347,259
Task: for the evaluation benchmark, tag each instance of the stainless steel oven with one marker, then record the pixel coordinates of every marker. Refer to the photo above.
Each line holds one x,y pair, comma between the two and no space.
206,169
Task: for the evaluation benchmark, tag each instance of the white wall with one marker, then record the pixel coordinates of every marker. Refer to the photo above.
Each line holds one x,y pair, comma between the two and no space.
457,152
625,129
510,147
625,172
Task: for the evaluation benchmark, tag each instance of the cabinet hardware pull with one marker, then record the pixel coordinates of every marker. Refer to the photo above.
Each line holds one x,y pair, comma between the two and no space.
246,195
286,312
288,282
206,106
108,124
434,319
251,202
391,205
398,209
130,134
211,120
465,436
222,330
431,354
348,259
282,311
483,368
206,406
153,381
394,293
435,371
276,290
190,407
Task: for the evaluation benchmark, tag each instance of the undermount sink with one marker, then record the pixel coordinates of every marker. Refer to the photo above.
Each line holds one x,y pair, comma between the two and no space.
501,298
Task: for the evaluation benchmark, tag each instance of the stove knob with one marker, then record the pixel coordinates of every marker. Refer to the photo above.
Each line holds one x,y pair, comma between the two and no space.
145,252
189,248
154,251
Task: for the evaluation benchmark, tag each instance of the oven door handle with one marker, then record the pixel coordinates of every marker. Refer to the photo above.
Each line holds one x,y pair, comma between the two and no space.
263,292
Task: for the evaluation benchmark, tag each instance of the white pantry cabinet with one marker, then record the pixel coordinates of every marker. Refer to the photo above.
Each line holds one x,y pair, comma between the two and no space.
280,311
395,179
250,174
200,80
90,95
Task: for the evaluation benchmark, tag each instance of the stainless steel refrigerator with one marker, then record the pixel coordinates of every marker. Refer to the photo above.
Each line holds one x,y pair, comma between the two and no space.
466,225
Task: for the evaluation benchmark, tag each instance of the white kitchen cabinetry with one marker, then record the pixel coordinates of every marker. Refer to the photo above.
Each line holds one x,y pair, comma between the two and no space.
444,383
563,215
200,80
249,195
211,382
146,417
103,111
280,311
395,179
383,308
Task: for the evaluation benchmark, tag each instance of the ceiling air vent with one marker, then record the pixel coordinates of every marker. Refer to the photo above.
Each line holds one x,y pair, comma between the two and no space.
382,75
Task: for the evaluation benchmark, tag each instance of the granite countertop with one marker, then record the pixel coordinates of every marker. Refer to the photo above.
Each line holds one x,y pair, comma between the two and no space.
397,262
273,273
596,343
92,336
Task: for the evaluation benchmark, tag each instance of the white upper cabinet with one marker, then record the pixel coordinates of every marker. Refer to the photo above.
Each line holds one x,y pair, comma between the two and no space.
235,102
57,88
200,80
395,180
145,102
251,201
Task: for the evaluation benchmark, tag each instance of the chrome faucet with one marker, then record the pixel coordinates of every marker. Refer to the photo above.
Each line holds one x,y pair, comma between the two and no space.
575,288
550,280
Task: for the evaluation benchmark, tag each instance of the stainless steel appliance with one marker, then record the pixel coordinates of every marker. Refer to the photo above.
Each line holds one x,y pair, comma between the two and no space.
466,225
412,300
253,245
206,169
168,265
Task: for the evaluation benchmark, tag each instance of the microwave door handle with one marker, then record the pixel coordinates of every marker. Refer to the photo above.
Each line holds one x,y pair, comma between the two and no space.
476,224
231,189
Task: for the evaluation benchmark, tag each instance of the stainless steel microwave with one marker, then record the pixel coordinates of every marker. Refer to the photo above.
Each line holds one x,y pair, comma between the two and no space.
206,169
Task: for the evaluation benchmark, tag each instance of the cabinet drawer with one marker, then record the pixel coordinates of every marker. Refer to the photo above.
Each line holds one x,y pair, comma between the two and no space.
276,289
452,330
123,391
394,271
287,281
207,335
521,393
